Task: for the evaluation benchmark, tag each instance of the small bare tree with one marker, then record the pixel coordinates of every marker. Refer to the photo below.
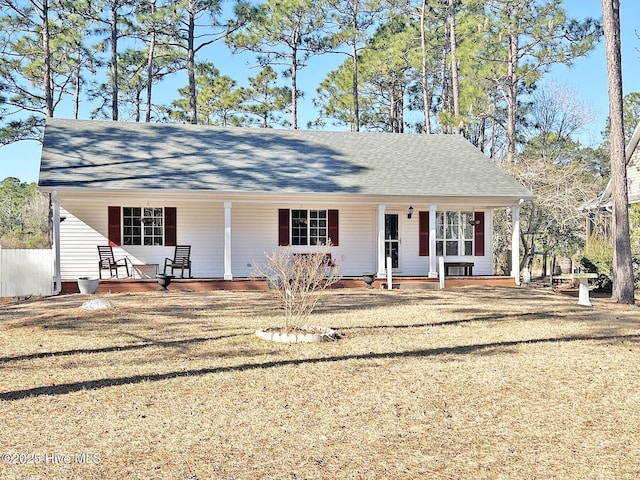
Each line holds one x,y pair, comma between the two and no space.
297,280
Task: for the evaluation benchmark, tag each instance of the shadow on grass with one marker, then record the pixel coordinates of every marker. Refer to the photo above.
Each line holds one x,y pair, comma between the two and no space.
489,317
118,348
459,350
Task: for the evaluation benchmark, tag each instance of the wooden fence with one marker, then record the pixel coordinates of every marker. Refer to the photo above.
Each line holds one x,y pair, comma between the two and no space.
26,272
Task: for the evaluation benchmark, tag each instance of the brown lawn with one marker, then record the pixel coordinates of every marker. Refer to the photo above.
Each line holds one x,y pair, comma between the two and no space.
471,383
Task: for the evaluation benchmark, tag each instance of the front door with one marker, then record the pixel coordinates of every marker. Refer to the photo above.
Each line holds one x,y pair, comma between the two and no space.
392,238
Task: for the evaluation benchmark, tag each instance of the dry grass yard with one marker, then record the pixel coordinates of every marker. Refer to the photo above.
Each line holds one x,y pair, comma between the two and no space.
470,383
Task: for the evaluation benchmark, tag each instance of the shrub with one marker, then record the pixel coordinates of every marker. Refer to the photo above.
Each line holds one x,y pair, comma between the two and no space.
598,258
296,279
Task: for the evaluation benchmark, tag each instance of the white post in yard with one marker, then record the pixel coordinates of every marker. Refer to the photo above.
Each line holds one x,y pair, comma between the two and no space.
228,274
441,261
515,243
381,211
389,278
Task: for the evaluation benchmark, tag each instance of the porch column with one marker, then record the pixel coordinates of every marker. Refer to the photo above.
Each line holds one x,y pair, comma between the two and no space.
515,243
228,275
433,259
381,259
55,218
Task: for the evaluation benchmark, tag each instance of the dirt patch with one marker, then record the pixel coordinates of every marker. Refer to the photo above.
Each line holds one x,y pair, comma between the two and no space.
465,383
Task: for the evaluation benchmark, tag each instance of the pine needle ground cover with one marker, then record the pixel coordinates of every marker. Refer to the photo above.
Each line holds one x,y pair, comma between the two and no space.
481,383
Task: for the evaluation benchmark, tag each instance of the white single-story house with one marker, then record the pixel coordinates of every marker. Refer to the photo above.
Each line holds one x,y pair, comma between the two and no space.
632,154
234,194
600,208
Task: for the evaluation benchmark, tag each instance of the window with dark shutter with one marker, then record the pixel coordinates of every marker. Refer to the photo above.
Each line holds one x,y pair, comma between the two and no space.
142,226
308,227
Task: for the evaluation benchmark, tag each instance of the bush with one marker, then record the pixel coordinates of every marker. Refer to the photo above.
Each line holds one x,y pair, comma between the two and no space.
598,258
13,240
296,279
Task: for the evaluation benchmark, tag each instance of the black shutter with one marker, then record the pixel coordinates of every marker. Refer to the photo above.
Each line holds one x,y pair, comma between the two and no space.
170,229
333,227
113,226
283,227
478,234
423,229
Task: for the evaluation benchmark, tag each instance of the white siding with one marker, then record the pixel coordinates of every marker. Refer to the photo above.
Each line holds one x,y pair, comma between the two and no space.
85,227
255,233
254,227
633,176
412,264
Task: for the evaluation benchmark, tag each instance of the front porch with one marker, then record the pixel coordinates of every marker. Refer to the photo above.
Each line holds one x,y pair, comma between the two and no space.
116,285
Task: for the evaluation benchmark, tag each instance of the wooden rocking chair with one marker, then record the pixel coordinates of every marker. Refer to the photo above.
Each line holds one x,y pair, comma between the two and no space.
108,262
180,261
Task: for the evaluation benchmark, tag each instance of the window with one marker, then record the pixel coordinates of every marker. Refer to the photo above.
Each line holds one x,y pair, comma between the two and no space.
142,226
454,233
308,227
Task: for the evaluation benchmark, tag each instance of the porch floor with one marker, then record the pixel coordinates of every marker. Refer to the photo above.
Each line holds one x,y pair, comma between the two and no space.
119,285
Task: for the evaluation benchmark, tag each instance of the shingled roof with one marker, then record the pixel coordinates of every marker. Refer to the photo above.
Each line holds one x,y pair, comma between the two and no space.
137,156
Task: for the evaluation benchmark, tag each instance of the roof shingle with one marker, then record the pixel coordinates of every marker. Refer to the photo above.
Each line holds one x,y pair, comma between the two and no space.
121,155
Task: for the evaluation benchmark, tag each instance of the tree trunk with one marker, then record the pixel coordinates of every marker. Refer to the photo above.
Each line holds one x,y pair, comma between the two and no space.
46,47
152,48
623,287
454,67
138,103
444,88
191,65
356,101
426,98
355,87
512,92
294,83
76,93
492,141
114,60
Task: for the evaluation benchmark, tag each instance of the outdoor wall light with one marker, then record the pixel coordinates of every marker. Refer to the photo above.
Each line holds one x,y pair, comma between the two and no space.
410,214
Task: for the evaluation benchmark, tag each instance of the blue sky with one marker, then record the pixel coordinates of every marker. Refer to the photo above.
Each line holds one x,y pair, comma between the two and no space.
588,77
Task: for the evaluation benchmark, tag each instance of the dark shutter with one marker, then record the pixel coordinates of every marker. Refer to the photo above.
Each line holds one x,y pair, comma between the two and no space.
113,226
170,230
283,227
423,229
333,227
478,234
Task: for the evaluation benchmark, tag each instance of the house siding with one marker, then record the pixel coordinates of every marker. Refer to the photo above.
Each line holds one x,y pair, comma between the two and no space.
254,229
255,233
633,177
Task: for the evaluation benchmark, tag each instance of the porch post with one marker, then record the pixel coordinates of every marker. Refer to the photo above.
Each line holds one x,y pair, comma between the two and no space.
433,259
381,259
515,243
55,218
228,275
